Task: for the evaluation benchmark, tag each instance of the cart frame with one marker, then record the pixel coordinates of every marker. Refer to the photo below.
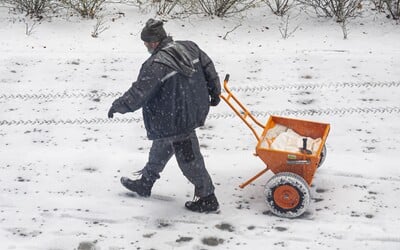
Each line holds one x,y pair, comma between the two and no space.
302,164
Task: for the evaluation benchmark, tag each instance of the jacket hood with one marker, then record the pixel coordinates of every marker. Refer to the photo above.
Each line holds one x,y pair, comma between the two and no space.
176,56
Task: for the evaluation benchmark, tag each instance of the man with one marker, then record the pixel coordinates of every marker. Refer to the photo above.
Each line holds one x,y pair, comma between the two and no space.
175,88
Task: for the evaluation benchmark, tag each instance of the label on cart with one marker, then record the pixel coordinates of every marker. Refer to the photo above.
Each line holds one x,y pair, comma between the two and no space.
292,157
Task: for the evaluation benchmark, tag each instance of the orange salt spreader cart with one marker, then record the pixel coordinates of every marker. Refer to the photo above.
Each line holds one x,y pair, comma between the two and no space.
288,191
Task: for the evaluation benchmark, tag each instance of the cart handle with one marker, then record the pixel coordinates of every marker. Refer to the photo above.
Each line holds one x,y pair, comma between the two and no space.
243,112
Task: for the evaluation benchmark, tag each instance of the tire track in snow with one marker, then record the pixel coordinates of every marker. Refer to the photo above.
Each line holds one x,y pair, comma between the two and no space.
360,176
380,239
91,94
63,95
315,86
95,96
258,114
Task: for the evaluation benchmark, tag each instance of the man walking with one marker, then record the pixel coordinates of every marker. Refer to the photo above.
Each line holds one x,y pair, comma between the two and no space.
175,88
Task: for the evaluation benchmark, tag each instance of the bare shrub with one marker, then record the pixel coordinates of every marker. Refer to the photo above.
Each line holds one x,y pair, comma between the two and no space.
230,31
30,26
99,27
173,8
379,5
222,8
85,8
179,8
160,7
393,6
32,8
345,29
279,7
164,7
340,9
284,27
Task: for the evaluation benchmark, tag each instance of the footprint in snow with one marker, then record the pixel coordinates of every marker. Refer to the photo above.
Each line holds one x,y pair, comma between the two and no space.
212,241
184,239
225,227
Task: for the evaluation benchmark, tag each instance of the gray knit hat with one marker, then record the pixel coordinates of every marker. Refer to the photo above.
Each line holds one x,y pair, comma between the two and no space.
153,31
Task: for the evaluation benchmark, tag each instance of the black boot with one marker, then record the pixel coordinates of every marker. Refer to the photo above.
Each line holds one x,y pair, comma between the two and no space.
204,204
141,186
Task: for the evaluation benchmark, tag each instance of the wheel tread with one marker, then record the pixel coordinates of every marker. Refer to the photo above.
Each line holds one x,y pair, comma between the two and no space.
294,180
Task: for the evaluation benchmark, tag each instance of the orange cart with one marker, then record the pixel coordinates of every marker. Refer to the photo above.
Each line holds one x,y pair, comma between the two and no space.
288,191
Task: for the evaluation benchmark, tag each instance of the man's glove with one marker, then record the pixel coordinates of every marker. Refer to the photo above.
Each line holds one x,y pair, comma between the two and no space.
111,112
215,100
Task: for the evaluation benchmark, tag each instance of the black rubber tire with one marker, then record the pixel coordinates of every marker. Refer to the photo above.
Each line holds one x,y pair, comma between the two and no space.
323,157
297,183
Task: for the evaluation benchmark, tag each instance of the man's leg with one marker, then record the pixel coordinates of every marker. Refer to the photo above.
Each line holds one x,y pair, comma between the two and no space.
160,153
191,162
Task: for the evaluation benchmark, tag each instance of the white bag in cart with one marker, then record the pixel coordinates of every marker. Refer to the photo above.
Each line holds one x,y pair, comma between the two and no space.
293,142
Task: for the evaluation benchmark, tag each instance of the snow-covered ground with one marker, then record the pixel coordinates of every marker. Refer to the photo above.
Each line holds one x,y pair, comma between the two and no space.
61,158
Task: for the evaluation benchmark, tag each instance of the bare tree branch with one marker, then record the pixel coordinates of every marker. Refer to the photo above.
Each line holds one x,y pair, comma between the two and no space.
227,33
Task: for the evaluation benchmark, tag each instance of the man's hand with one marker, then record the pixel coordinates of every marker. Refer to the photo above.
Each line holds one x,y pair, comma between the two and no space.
215,100
111,112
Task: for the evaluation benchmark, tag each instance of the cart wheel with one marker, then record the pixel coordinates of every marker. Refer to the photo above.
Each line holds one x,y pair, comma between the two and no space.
323,157
287,195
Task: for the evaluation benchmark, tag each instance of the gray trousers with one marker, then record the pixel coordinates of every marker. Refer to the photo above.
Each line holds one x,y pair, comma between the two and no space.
190,160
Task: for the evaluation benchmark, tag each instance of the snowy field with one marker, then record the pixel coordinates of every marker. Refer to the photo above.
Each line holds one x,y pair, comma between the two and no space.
61,158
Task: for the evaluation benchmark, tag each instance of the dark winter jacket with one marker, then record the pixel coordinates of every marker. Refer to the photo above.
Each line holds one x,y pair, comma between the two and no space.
174,88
